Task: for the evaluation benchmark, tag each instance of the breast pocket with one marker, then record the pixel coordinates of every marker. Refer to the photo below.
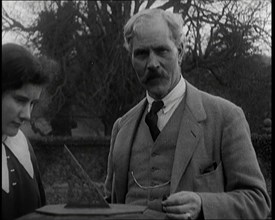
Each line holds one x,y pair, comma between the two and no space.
210,179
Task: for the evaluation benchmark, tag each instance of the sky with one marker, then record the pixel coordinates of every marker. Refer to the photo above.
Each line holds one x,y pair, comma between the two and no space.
17,8
21,8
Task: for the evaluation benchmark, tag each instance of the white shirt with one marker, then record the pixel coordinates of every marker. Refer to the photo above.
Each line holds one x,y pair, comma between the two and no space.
19,147
171,102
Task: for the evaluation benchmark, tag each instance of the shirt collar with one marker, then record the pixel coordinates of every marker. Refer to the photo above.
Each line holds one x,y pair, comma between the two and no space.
19,147
171,98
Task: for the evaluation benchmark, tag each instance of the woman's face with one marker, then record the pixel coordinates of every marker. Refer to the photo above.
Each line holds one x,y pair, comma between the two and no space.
17,106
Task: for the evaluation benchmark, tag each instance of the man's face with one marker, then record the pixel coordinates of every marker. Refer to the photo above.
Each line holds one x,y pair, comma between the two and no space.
155,58
17,106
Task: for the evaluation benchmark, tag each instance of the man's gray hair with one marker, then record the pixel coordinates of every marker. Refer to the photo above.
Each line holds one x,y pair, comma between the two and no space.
173,20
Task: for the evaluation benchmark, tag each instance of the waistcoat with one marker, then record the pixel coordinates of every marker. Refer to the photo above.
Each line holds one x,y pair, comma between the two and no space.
151,162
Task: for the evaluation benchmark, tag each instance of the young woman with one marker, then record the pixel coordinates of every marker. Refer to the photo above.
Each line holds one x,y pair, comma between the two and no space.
23,79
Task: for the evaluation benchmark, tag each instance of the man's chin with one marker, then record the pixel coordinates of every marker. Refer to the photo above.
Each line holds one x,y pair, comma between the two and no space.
157,92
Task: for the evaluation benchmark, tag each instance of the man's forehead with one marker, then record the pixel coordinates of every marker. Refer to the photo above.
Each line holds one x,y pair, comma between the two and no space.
151,28
154,34
146,22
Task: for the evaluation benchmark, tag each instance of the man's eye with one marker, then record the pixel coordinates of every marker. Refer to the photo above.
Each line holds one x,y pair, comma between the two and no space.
161,50
141,53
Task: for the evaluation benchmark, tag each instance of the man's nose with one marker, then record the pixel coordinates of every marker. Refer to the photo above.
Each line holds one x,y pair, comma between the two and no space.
25,113
153,62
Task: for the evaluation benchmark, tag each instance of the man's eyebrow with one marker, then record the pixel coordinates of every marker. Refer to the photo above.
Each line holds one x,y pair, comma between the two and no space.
161,47
141,49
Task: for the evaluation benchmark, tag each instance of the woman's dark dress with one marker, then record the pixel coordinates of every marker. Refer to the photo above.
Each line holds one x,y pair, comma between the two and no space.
26,194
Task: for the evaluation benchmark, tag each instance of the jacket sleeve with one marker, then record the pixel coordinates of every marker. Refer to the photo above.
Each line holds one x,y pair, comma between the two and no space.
109,181
245,195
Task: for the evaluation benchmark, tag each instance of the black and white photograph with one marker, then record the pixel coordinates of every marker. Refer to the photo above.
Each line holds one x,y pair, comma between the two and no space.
136,109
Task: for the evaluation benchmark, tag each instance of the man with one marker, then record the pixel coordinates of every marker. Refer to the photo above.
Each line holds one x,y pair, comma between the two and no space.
198,154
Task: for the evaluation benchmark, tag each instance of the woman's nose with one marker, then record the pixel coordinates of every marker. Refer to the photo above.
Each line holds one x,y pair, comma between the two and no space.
25,113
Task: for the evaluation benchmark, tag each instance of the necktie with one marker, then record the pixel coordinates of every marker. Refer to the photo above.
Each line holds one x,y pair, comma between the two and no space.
151,118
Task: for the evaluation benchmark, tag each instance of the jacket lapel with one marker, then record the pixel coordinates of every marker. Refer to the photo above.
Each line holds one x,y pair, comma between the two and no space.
189,134
123,146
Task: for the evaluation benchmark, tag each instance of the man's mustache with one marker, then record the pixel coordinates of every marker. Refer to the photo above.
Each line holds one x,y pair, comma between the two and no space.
152,74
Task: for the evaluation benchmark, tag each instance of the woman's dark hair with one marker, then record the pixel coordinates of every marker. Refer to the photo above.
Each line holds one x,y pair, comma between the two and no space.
20,67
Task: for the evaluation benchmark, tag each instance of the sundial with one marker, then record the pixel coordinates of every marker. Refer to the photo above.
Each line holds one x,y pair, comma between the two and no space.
82,191
84,197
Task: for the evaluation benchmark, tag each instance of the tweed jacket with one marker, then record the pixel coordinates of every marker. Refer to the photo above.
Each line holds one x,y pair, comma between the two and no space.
214,157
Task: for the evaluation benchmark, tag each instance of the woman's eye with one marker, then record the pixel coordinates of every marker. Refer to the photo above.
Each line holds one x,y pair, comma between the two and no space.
20,100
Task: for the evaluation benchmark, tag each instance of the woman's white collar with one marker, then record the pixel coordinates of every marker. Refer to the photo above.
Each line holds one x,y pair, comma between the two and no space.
19,147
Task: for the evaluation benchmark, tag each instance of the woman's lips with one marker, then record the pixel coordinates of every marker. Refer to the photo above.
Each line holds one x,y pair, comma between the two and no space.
16,124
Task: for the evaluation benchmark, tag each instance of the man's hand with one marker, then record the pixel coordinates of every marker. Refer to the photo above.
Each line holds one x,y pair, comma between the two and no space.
182,205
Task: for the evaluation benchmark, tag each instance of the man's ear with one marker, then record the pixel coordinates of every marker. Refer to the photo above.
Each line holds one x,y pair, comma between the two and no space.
180,52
